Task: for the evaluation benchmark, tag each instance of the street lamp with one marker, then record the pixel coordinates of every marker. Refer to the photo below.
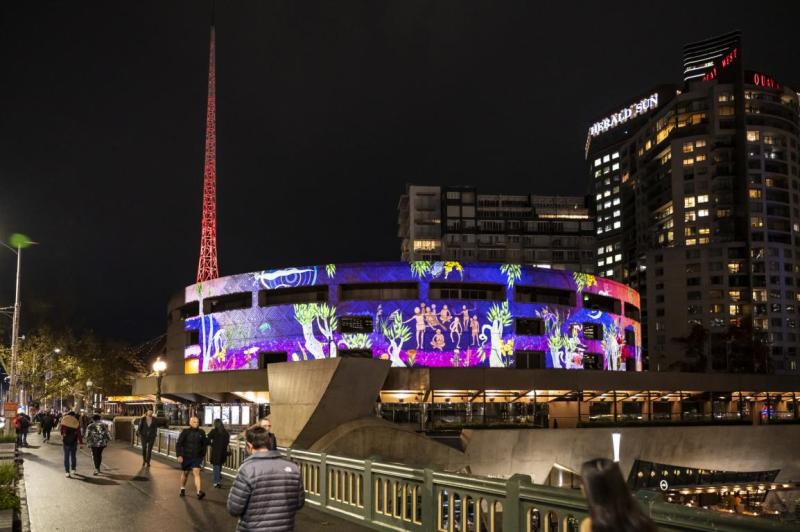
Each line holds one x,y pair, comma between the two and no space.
89,385
19,242
159,366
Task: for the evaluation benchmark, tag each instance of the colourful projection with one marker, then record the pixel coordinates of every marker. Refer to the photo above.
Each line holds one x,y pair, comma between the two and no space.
419,332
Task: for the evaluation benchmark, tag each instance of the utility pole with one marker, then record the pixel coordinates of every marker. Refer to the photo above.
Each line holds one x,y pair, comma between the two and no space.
12,387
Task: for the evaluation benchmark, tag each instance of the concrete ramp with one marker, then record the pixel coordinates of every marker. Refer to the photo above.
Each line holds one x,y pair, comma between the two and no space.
310,399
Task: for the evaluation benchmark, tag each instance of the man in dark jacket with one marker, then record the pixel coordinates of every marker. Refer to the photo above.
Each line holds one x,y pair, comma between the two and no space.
265,422
191,450
47,426
24,426
148,430
268,490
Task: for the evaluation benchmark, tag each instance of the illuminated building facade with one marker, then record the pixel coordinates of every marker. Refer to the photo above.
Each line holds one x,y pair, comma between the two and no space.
697,208
418,314
462,224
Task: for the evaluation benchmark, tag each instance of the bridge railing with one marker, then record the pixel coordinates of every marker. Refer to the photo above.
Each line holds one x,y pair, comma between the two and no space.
388,496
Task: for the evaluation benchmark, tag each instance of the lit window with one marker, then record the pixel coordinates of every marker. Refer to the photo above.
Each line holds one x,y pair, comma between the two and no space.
616,201
688,162
705,231
617,213
615,155
601,262
599,230
598,197
752,136
607,181
688,202
606,205
756,221
609,273
597,162
689,216
607,193
734,310
606,158
615,166
609,249
597,173
688,147
702,213
702,199
734,267
699,158
700,143
425,245
600,250
703,240
755,193
618,257
617,224
735,295
606,169
691,241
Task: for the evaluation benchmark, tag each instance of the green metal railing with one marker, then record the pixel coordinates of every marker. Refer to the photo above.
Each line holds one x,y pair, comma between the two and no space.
385,496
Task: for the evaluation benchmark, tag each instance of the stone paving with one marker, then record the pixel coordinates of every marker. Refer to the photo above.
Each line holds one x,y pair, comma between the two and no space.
126,497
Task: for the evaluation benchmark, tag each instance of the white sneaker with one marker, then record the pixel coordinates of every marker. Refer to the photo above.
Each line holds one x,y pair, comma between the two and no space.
67,475
74,472
96,471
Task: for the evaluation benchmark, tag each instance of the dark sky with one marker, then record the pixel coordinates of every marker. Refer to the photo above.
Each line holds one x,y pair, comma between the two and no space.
324,110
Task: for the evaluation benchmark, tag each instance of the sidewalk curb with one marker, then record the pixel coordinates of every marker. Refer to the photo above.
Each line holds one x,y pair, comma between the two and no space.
24,513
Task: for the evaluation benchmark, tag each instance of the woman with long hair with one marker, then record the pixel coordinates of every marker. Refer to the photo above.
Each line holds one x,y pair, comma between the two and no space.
219,440
612,508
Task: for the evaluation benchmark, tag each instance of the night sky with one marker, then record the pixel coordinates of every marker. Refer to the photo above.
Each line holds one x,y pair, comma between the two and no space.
324,111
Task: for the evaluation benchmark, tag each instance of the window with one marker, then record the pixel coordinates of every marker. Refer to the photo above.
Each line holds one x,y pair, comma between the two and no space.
688,147
266,358
593,361
688,202
702,213
355,324
529,359
528,327
486,292
378,291
535,294
228,302
702,199
291,296
700,143
755,193
604,303
355,353
192,338
189,310
752,136
632,312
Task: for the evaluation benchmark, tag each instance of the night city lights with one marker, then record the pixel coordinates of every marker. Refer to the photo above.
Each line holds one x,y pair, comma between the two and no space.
419,266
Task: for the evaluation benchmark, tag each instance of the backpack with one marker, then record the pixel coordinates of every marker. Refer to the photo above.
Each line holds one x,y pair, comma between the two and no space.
70,436
97,435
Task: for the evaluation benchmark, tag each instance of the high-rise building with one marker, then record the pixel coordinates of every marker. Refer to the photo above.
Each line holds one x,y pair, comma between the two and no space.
696,191
462,224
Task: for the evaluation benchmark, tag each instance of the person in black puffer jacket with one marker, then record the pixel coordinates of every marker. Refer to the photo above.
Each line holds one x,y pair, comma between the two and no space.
268,489
191,450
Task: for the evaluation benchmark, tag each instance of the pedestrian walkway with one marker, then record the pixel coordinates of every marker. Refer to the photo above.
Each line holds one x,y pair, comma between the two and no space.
125,497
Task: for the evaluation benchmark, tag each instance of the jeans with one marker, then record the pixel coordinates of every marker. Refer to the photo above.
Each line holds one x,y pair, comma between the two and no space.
46,432
70,452
147,450
217,473
97,456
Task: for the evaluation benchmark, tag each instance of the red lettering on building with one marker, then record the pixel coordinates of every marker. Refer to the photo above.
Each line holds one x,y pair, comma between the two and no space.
725,63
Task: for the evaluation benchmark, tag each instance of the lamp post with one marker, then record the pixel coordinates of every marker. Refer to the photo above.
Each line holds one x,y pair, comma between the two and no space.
18,242
159,366
89,396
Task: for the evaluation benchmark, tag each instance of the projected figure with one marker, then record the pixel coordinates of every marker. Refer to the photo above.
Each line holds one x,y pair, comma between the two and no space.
455,332
419,320
438,340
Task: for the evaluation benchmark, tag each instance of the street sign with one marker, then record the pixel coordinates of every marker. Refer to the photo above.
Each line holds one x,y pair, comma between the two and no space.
664,485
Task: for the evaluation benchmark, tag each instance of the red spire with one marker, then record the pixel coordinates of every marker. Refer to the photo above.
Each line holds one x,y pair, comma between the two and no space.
207,267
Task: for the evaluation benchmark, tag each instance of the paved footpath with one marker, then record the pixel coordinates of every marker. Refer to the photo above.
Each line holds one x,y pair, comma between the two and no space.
126,497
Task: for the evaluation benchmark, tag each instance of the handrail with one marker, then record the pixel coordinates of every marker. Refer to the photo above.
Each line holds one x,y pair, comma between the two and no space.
394,497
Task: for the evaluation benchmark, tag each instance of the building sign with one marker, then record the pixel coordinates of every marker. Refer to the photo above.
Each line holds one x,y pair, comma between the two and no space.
727,60
760,79
632,111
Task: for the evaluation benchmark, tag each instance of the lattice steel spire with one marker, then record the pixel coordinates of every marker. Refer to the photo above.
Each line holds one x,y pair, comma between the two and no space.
207,267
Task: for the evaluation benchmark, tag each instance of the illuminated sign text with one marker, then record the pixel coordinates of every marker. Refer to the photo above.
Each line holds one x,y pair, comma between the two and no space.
725,63
762,80
632,111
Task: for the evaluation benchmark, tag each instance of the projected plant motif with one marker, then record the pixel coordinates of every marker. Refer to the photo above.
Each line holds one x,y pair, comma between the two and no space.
428,331
513,273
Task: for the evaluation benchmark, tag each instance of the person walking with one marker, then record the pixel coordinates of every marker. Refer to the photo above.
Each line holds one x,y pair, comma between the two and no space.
267,424
148,430
70,438
47,426
268,489
612,508
219,439
24,427
97,438
191,450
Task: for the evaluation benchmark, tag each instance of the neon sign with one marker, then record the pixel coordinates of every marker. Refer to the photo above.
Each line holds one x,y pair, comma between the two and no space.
632,111
725,63
762,80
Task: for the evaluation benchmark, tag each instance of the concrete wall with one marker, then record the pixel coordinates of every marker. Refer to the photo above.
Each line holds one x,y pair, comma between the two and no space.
734,448
310,399
391,442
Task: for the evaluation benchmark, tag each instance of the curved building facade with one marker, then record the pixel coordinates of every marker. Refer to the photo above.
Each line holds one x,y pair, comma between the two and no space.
418,314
